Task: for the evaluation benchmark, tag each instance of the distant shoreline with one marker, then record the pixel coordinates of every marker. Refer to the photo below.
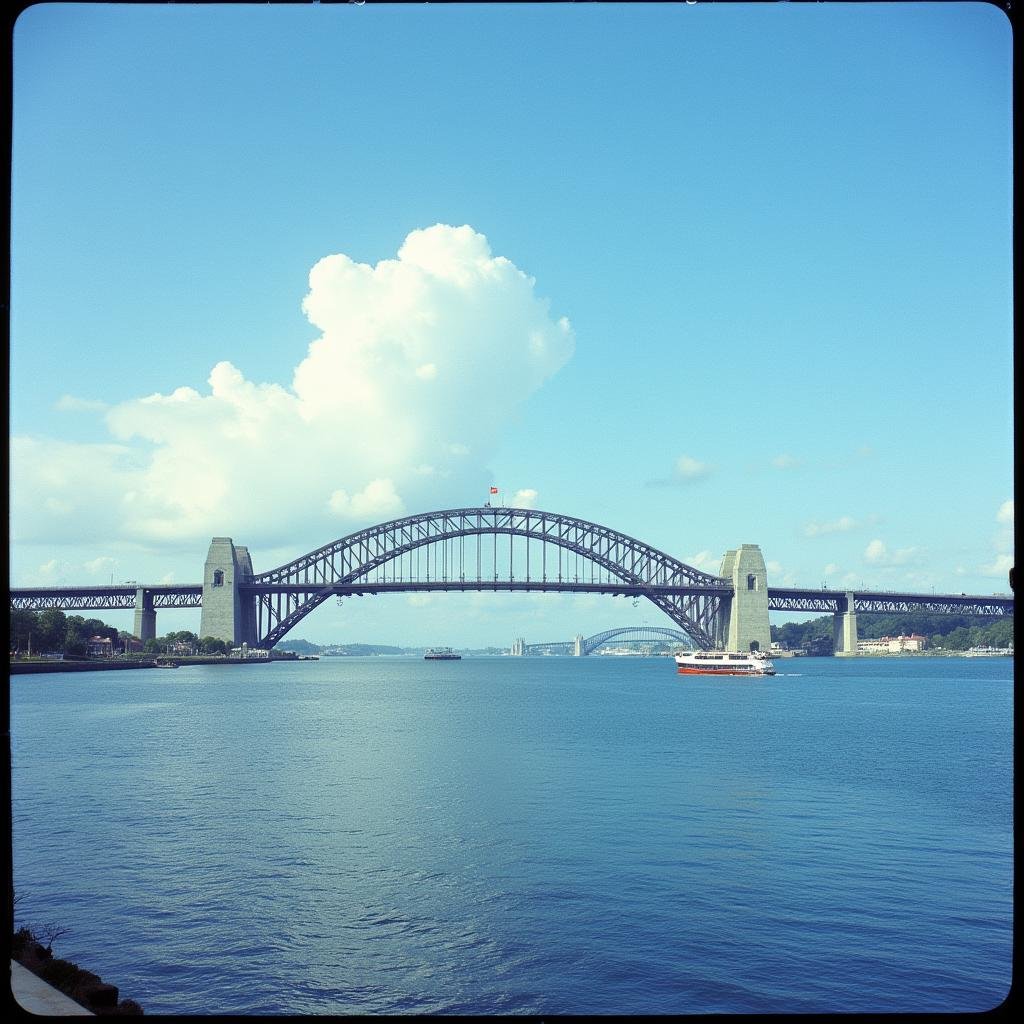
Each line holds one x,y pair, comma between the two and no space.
41,667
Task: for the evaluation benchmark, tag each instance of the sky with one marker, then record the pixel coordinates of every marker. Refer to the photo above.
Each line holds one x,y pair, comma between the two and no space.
706,274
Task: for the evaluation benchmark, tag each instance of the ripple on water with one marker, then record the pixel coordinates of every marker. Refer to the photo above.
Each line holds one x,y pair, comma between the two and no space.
525,839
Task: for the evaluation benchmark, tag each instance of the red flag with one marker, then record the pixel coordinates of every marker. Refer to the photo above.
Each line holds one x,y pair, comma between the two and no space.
494,490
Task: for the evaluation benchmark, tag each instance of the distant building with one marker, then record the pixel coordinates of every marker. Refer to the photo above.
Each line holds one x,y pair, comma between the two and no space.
249,653
893,645
100,647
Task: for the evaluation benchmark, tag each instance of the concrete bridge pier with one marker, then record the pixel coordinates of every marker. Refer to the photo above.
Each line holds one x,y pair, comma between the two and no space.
227,615
518,647
844,628
743,623
145,615
577,646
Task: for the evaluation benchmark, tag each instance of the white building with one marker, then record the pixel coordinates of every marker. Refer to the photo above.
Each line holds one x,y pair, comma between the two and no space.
893,645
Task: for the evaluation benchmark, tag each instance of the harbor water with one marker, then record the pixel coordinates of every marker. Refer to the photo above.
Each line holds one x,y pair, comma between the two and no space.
523,835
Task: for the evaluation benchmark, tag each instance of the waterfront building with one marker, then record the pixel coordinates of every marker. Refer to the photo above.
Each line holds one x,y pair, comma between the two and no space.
893,645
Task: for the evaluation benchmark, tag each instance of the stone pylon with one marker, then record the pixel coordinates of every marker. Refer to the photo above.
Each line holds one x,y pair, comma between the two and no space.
227,614
747,627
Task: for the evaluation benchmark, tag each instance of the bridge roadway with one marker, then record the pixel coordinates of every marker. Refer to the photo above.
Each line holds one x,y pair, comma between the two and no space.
793,599
458,550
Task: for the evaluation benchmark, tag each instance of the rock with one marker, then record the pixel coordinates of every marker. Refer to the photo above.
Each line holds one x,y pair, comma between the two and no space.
96,995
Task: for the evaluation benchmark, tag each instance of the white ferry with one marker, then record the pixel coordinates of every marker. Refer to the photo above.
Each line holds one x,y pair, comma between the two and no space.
441,654
724,663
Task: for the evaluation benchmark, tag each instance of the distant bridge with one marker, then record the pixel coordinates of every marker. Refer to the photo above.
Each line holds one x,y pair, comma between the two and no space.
587,645
493,549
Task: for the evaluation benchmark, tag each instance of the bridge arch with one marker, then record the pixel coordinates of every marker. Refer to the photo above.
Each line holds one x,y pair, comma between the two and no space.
282,597
655,634
592,643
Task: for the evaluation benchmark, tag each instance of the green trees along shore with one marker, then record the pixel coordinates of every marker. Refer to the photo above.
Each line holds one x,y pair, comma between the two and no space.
53,632
948,632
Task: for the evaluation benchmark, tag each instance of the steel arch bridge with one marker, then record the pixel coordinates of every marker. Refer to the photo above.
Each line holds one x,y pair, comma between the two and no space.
464,549
598,640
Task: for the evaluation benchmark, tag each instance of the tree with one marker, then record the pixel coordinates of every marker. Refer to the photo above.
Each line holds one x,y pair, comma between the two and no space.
23,626
213,645
96,627
52,629
76,636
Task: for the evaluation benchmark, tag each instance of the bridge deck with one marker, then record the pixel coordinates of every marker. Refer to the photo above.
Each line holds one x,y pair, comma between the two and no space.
803,599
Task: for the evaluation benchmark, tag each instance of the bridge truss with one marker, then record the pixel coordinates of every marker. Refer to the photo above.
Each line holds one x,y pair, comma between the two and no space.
114,597
653,634
488,549
494,549
792,599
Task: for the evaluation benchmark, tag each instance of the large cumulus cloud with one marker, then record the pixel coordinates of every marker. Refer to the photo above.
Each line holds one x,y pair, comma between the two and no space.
396,407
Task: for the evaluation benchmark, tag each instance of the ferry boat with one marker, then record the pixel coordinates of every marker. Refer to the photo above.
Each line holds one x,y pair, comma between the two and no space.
441,654
724,663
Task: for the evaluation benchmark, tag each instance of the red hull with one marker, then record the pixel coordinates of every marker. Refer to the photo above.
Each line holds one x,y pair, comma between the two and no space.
718,672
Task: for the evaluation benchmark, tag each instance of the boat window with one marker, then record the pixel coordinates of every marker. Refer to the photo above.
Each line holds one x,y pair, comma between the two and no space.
218,577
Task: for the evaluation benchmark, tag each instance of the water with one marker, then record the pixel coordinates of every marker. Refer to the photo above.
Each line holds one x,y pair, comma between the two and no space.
523,835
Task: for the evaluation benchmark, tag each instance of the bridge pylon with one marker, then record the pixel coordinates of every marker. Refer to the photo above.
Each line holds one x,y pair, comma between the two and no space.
145,615
227,614
743,625
844,628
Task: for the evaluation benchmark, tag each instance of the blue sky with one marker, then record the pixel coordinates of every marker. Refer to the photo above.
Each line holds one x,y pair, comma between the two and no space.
770,252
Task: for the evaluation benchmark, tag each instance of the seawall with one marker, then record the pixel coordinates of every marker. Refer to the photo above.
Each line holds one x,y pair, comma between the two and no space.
36,667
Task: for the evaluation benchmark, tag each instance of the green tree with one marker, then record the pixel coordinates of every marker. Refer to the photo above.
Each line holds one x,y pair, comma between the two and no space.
213,645
76,636
23,627
1000,634
96,627
52,629
958,640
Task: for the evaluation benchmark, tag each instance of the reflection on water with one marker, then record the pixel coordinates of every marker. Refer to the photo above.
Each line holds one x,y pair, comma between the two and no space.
517,835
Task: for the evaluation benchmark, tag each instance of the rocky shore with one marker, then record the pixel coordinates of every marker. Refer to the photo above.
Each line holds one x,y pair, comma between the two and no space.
84,987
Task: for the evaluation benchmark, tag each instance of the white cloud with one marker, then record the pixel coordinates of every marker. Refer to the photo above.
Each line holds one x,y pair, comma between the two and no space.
840,525
685,471
689,468
415,355
705,561
998,567
1002,544
525,498
377,500
102,566
49,569
878,554
875,551
778,576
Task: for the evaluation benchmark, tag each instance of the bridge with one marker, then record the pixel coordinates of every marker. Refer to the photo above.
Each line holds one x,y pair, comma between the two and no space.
494,549
582,646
